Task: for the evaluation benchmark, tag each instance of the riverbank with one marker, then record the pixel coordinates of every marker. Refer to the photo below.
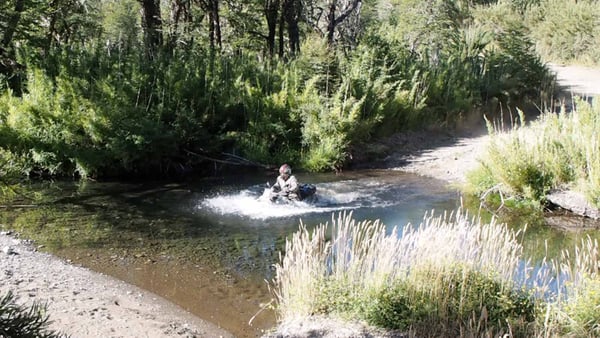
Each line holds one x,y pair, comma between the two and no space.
83,303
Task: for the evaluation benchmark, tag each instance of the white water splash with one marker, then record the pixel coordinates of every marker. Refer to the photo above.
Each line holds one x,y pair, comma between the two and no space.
330,197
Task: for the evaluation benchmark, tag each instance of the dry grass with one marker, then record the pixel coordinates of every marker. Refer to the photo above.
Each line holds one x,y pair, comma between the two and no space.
363,259
360,261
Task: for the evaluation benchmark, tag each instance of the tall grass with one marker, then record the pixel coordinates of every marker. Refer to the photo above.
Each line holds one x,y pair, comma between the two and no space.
557,150
451,276
576,307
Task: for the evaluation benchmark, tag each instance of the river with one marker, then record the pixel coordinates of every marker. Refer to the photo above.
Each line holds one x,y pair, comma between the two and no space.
209,245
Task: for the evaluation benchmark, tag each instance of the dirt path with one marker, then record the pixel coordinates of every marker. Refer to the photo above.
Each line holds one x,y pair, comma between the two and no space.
449,157
578,80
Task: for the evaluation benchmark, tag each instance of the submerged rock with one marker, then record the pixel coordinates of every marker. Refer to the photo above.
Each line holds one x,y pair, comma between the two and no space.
573,201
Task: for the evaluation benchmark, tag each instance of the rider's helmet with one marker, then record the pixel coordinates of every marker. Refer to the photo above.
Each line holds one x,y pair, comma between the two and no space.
285,170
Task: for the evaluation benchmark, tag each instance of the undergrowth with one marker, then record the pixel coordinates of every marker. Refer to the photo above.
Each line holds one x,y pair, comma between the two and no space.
558,150
451,276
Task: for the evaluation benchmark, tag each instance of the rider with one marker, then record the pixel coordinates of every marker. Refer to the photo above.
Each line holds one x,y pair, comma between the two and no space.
286,185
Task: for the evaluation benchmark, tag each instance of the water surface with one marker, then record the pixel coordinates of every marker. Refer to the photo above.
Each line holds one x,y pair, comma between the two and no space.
209,245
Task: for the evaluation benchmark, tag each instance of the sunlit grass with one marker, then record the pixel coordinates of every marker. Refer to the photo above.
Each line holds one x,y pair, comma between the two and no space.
576,309
450,276
450,272
558,150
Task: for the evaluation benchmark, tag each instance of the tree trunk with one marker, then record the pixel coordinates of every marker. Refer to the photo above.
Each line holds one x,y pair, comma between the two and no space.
292,10
8,62
211,8
271,11
152,24
217,22
13,22
177,8
331,23
334,20
281,33
51,24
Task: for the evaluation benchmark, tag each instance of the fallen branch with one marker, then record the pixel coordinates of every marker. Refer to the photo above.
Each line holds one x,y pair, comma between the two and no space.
19,206
497,190
237,160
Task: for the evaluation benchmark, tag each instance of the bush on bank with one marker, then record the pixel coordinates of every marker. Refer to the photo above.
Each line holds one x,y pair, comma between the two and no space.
450,276
99,106
555,151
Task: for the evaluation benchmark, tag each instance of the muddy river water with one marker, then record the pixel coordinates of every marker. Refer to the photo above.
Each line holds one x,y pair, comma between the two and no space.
209,245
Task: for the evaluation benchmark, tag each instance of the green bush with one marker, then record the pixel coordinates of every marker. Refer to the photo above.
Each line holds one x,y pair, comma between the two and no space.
20,321
98,105
582,310
399,307
462,297
556,150
566,31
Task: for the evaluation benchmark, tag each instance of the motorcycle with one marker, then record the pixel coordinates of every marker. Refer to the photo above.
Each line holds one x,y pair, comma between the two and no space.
305,193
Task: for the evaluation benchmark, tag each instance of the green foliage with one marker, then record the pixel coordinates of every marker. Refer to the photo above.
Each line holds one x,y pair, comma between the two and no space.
121,26
337,297
557,150
515,72
399,307
566,31
21,321
96,103
465,296
582,310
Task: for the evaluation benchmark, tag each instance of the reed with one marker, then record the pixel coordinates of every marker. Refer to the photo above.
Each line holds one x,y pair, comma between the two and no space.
449,275
556,150
575,310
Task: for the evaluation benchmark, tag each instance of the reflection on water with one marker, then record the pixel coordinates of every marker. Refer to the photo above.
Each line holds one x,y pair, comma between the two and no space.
209,245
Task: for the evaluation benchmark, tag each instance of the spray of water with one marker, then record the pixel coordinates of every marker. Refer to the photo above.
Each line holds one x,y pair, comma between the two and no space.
254,202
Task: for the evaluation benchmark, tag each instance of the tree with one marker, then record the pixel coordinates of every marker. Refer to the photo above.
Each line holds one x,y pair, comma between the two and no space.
9,22
271,10
152,24
327,17
211,8
291,13
338,11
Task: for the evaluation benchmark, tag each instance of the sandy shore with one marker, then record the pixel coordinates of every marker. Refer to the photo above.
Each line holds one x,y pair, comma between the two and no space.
83,303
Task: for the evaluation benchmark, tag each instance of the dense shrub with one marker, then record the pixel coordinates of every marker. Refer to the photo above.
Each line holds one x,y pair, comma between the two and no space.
557,150
566,31
466,297
107,104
